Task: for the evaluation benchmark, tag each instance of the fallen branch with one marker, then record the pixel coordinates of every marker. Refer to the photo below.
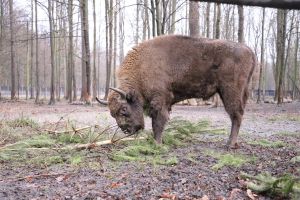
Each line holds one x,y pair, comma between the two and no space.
77,147
69,131
96,144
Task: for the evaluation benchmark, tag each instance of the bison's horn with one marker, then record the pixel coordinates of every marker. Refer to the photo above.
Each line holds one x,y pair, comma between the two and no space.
121,92
102,101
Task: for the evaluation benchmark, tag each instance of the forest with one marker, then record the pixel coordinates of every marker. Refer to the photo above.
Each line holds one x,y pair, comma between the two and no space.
53,50
59,58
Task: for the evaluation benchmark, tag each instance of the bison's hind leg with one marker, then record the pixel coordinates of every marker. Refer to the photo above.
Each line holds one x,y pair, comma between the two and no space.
234,102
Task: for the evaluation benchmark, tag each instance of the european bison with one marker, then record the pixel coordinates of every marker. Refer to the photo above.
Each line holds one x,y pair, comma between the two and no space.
165,70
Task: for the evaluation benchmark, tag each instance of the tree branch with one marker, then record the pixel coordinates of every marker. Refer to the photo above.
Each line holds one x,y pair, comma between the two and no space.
284,4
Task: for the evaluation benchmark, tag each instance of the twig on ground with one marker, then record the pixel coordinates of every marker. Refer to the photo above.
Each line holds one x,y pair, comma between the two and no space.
73,130
93,145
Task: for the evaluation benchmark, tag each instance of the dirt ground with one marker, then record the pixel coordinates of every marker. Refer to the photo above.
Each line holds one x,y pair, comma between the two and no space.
193,176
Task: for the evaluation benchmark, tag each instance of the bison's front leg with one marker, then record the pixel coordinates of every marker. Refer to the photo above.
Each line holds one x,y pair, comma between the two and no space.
160,115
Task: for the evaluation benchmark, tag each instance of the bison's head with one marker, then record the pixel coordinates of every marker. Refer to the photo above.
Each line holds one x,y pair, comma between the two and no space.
126,109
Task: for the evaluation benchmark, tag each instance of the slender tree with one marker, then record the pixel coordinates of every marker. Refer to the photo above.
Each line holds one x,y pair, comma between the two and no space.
94,53
52,85
218,21
86,43
207,19
70,51
241,24
262,61
27,60
12,50
280,48
109,24
31,53
37,72
296,67
194,19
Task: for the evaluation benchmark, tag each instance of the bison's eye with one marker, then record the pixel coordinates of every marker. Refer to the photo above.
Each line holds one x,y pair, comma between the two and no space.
124,111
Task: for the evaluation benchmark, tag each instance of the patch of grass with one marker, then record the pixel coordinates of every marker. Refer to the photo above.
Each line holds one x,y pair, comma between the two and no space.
47,160
288,133
233,160
22,122
283,186
266,143
76,159
295,159
177,133
69,138
38,141
171,161
284,118
191,157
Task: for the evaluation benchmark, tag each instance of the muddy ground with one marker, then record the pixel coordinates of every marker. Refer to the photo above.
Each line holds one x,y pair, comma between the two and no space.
269,140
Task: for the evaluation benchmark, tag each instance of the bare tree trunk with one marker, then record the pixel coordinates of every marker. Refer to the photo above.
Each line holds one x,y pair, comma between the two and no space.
207,20
12,50
109,19
115,47
1,23
153,18
31,54
136,39
262,60
173,16
94,53
296,68
145,19
18,77
121,35
52,84
218,21
280,46
84,6
194,19
70,67
158,16
241,24
37,72
44,83
27,61
287,56
214,20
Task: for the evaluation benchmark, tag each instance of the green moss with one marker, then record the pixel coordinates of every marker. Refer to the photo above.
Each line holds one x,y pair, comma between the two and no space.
70,139
233,160
47,160
295,159
283,186
76,159
266,143
165,161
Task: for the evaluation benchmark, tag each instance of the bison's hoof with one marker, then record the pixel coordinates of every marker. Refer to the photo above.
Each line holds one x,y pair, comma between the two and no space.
230,146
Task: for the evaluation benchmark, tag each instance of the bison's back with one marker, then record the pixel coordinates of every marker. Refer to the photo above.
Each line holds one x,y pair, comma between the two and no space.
190,67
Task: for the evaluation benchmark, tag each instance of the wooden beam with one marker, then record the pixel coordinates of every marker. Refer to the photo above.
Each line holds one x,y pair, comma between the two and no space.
283,4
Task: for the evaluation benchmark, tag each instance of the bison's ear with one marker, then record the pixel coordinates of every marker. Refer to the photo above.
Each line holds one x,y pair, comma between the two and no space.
131,97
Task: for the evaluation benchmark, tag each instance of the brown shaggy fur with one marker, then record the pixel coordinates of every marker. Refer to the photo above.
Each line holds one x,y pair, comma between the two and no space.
160,72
